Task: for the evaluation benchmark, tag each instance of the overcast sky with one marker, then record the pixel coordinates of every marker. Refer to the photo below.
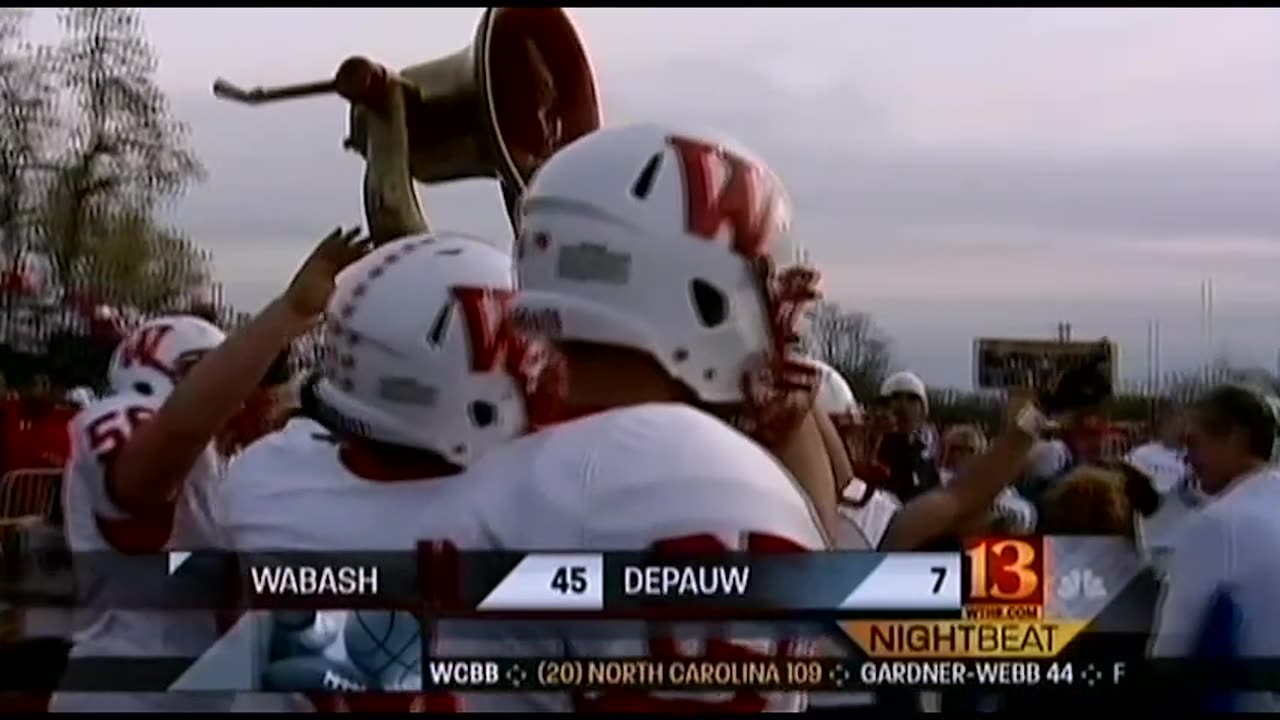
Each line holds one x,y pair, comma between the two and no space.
955,172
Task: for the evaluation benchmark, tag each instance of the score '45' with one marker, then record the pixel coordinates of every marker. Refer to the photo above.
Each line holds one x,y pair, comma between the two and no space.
1005,570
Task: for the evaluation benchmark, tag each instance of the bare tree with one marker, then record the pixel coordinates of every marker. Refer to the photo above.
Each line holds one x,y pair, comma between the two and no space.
26,120
853,344
125,157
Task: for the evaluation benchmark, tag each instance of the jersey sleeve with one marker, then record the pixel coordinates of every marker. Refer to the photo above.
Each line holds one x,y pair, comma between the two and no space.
96,436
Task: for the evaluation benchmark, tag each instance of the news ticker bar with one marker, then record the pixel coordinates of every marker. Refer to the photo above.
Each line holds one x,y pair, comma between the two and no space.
844,583
814,675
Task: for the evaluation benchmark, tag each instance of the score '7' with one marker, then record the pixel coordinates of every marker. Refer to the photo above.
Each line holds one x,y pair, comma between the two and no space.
941,573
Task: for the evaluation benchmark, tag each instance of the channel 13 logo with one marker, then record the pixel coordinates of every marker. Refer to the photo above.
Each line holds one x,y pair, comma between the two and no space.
1005,570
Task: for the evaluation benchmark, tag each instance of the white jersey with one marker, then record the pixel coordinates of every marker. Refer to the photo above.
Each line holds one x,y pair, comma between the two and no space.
1226,550
96,528
629,479
1164,465
290,491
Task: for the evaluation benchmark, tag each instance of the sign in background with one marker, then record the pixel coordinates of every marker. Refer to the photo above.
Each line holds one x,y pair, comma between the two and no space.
1006,364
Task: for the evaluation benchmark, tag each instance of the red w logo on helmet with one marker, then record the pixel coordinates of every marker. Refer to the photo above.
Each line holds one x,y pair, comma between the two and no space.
143,348
494,342
747,198
779,386
489,334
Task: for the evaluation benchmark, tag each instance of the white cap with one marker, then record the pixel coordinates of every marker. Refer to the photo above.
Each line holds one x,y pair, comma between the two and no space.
905,382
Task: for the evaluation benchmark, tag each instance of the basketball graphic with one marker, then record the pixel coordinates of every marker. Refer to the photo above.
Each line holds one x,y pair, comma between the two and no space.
386,645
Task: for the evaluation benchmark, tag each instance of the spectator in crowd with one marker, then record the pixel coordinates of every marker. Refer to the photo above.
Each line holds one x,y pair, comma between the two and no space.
1091,500
959,444
1010,513
1080,442
905,450
1088,500
1223,571
1084,437
1164,459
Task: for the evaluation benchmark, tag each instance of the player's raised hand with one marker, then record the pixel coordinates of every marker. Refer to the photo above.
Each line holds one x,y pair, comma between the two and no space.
779,388
309,291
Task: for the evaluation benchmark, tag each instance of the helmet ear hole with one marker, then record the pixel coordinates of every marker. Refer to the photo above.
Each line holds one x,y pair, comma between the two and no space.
711,305
483,414
143,388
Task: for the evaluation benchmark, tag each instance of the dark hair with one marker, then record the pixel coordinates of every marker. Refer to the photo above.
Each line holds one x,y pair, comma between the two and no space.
1229,408
1140,489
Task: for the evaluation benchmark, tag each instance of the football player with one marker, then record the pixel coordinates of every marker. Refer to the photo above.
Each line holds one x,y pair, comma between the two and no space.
654,259
130,490
416,385
104,514
420,377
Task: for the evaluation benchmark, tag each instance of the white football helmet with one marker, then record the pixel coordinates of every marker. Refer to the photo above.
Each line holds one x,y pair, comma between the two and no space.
645,238
835,397
417,351
154,357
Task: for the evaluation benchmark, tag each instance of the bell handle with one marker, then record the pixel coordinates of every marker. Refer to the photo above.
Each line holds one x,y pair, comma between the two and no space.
259,95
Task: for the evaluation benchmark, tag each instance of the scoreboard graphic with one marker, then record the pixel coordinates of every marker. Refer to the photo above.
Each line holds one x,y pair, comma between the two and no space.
1011,600
778,585
1001,611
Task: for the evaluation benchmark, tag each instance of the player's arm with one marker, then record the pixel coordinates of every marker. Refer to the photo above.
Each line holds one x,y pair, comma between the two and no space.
805,455
837,452
160,454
